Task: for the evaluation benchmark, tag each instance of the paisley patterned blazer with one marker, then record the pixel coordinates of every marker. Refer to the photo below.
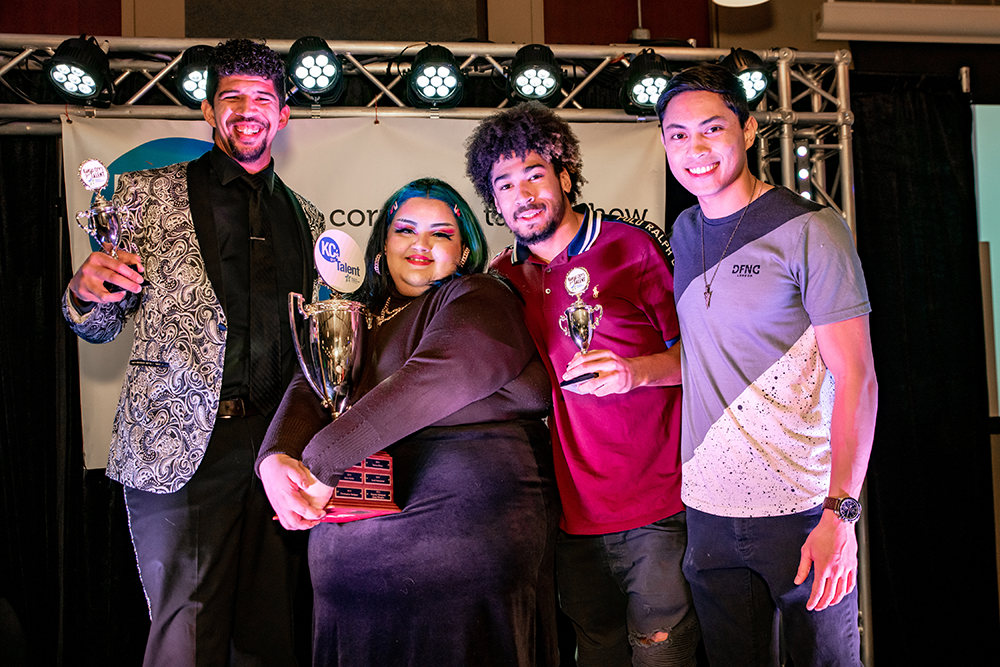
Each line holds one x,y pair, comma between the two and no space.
171,391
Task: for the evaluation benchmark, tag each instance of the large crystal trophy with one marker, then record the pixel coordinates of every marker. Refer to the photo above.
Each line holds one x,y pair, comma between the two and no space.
330,339
101,219
580,319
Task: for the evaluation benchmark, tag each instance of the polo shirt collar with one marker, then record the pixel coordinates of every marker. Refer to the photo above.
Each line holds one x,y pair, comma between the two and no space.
585,237
228,169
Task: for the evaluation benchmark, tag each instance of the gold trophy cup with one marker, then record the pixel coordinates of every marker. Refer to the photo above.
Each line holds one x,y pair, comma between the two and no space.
330,341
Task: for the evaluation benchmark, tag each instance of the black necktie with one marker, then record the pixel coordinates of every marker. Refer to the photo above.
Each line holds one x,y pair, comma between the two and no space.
265,336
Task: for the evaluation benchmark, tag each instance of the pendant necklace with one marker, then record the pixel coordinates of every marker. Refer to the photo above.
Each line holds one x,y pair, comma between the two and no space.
704,269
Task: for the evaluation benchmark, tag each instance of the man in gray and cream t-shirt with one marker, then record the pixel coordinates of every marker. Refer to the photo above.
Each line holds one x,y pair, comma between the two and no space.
780,392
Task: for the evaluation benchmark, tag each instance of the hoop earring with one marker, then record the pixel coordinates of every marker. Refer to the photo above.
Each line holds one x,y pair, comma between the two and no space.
378,259
465,256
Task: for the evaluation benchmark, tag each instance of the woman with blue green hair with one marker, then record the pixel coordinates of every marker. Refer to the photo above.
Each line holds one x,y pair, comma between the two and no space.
375,290
455,391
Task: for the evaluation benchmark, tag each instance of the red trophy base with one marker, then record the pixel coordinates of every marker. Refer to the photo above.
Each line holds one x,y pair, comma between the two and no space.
364,491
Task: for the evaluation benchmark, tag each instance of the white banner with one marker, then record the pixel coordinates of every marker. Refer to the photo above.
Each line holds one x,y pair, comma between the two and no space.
347,167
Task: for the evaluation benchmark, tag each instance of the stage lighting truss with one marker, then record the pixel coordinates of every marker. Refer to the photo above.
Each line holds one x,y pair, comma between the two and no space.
534,74
435,79
191,78
645,80
315,70
807,106
79,70
751,71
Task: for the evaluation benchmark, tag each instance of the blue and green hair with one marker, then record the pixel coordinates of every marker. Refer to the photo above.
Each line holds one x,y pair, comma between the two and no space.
375,289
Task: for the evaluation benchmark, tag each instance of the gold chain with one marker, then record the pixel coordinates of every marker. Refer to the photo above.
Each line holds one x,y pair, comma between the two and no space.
387,314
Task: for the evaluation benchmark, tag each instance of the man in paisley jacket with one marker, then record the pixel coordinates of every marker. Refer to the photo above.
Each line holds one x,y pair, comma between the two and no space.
219,574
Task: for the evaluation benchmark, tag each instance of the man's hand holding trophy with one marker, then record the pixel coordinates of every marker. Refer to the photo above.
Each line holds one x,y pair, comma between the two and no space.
115,269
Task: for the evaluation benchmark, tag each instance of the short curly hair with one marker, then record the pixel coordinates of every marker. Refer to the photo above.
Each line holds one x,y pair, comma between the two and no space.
245,57
515,132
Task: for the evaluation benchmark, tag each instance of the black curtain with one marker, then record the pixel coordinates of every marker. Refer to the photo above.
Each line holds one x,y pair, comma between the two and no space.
69,591
41,461
934,573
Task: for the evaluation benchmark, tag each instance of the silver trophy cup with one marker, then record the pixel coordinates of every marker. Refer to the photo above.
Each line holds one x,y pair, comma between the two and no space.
579,321
101,222
101,219
330,339
329,342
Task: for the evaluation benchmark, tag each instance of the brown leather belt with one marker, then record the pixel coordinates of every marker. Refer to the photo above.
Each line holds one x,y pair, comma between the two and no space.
236,407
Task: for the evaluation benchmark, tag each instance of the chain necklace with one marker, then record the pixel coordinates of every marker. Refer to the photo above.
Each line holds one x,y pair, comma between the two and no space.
387,314
704,269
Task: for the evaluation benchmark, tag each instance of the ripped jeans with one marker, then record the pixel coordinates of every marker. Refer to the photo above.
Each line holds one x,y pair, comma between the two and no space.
622,590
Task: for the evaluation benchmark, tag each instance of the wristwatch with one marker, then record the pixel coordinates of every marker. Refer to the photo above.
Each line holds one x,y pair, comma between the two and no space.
847,509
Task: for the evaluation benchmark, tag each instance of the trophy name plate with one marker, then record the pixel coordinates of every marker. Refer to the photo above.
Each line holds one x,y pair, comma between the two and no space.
364,491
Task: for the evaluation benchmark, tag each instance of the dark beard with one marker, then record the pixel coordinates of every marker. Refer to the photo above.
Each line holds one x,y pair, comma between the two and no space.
546,232
242,155
245,155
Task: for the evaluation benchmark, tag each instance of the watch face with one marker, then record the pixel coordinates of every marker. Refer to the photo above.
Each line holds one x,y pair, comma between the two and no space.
850,510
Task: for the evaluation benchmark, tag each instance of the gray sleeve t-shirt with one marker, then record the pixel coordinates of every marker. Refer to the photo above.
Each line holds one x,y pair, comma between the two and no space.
755,437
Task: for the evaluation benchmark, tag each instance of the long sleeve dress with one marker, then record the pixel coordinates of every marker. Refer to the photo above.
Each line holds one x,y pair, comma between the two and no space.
455,391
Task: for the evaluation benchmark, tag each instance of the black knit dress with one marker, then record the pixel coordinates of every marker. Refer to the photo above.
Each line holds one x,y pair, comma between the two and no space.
455,391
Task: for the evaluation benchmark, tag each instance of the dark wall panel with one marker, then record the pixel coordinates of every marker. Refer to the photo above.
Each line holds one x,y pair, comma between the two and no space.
386,20
611,21
62,17
935,59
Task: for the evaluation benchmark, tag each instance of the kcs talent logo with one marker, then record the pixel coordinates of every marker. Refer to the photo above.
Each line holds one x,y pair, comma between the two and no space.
330,251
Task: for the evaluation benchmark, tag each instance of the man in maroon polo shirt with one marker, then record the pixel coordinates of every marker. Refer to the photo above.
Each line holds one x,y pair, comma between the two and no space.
615,435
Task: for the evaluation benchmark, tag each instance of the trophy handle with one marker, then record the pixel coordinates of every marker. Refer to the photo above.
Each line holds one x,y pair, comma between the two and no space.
598,312
85,226
296,305
564,323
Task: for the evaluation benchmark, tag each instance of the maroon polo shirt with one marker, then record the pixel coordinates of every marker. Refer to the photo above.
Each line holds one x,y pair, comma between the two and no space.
617,457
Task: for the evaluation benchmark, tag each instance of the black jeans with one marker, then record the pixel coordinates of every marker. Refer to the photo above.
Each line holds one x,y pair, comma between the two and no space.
741,570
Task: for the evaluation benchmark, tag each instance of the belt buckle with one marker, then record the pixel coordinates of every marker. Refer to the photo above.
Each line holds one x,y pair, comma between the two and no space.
235,408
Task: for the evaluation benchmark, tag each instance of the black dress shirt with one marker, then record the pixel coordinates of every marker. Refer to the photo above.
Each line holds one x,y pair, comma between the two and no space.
230,200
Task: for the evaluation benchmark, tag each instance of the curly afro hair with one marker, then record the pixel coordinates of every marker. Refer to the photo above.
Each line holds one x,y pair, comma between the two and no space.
245,57
515,132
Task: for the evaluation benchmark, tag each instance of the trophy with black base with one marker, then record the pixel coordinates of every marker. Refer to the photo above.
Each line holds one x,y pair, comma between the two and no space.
579,320
101,219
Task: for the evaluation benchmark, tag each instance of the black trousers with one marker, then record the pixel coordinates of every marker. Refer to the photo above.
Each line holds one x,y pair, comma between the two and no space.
219,573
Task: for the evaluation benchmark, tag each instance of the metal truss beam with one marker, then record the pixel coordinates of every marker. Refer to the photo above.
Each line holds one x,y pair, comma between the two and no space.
807,105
